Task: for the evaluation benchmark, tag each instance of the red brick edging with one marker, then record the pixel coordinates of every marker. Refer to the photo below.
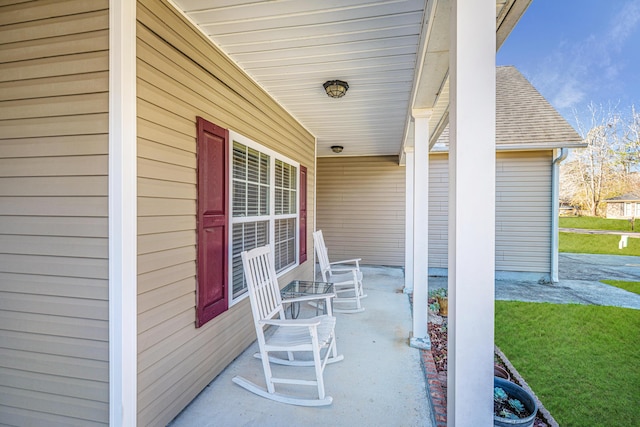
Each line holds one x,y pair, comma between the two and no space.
437,387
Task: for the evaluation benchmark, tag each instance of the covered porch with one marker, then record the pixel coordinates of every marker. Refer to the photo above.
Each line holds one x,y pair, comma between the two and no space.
379,382
111,96
397,105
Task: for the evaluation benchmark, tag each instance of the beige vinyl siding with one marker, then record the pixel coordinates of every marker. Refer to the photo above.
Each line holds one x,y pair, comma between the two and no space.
181,76
361,209
523,211
361,205
438,210
54,367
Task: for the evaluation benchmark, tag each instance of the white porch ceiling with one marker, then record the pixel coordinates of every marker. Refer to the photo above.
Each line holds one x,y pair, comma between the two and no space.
393,54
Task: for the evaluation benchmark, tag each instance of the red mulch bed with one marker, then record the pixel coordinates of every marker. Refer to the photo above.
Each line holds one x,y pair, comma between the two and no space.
438,336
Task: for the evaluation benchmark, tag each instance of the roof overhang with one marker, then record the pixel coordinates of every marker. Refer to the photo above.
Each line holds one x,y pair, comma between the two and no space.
431,85
394,55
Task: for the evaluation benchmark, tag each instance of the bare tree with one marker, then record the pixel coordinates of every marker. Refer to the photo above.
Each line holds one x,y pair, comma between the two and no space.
606,166
630,150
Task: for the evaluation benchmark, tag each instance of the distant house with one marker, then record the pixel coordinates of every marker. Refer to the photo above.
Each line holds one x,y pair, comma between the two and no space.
567,209
625,206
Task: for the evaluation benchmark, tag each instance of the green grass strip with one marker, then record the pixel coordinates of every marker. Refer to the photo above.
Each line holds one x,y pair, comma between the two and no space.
596,223
627,286
606,244
580,360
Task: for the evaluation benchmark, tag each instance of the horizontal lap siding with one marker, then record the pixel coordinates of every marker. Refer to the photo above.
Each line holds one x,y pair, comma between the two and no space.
523,212
438,210
53,213
361,204
361,210
181,76
366,217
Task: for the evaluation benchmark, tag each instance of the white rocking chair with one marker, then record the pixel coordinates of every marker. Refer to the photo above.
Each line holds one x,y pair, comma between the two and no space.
290,335
348,281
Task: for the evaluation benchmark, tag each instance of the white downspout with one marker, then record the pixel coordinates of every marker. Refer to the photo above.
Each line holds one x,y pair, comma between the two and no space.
555,211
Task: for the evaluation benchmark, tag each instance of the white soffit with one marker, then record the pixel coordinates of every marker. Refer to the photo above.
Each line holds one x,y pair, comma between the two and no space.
291,47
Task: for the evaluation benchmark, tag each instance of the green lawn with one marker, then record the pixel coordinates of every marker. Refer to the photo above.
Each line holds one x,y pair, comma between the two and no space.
627,286
581,361
597,244
595,223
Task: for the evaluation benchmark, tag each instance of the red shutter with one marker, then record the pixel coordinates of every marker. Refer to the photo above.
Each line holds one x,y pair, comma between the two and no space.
303,214
212,222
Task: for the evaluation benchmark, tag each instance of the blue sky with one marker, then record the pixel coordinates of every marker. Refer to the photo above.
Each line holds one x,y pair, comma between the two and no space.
579,51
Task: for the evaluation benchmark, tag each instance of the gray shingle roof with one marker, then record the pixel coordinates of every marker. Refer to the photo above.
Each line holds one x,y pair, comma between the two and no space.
523,117
628,197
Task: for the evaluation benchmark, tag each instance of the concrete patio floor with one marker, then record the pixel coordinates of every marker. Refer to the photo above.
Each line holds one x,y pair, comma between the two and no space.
380,382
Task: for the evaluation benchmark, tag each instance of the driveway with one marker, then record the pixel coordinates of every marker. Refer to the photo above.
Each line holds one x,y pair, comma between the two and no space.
580,276
598,267
589,231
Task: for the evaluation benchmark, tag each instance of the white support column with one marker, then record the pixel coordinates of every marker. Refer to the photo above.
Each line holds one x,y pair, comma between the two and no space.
420,338
122,215
471,213
408,221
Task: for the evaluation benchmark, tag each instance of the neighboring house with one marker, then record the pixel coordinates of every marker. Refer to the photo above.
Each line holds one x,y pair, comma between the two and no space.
567,209
626,206
138,160
529,134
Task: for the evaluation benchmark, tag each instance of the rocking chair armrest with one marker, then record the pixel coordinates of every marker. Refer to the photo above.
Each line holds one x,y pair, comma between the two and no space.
347,261
290,322
344,272
344,269
309,298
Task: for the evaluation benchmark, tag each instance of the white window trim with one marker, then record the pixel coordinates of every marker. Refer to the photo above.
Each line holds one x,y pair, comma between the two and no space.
628,209
273,155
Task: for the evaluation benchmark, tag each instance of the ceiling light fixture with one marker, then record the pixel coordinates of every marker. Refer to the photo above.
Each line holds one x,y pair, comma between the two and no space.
337,148
336,88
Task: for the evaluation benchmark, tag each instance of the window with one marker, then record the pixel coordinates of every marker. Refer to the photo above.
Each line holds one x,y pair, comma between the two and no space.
247,196
285,208
628,209
264,208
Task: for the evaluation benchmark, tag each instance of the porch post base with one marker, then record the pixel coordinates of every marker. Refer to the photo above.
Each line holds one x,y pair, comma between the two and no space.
420,343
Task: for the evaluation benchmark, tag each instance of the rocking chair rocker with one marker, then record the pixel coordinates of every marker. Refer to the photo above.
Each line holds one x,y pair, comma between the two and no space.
348,281
290,335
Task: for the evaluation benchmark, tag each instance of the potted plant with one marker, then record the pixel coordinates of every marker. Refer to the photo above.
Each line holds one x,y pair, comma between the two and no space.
512,405
442,302
499,371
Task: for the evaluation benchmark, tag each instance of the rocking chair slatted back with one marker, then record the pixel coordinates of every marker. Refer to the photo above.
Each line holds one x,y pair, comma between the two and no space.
323,255
264,291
